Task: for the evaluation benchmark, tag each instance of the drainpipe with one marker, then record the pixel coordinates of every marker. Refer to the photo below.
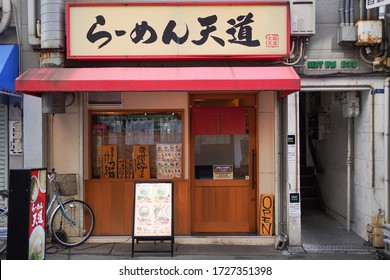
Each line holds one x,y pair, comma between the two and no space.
349,170
33,25
387,156
52,33
341,12
347,4
351,13
6,18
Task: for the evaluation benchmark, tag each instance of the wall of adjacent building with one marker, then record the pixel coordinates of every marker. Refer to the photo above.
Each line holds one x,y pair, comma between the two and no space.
368,194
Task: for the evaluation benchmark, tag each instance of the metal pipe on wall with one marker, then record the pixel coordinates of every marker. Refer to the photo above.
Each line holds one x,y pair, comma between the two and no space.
6,18
387,144
52,24
341,12
349,170
52,33
351,13
33,38
346,11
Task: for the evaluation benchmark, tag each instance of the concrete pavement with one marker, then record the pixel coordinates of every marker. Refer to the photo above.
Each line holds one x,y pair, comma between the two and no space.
122,251
322,239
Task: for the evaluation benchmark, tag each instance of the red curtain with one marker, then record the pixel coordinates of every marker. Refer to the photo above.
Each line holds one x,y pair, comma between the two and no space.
218,120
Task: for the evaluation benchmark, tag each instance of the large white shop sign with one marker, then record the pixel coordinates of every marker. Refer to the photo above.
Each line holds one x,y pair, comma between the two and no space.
109,31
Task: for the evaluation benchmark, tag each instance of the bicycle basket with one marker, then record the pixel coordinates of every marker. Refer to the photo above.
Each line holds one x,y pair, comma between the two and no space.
67,184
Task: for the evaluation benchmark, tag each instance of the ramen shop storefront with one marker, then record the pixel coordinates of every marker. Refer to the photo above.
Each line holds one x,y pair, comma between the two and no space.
210,130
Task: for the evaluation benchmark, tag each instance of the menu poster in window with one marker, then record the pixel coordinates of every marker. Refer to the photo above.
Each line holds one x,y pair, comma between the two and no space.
108,161
153,207
141,162
169,158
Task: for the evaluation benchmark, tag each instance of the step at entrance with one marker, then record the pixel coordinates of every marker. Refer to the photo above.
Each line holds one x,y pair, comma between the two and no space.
310,193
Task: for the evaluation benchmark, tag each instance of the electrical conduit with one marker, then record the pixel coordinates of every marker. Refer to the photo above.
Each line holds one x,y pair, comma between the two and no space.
386,146
6,18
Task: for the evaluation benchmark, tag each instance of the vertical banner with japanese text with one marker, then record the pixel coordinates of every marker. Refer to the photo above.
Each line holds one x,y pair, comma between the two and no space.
37,226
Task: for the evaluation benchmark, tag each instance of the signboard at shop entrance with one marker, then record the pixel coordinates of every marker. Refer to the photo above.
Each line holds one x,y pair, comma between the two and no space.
130,31
153,209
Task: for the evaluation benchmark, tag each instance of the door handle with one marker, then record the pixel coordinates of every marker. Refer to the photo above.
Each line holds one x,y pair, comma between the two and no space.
253,169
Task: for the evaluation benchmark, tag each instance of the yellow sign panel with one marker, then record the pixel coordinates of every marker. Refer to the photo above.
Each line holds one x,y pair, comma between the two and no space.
266,214
108,160
189,30
141,162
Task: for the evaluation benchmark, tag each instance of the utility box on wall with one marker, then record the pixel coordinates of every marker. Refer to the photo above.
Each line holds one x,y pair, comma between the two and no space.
369,32
302,18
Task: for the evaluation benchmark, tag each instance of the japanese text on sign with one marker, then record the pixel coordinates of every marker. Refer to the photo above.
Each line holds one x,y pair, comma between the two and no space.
240,32
109,158
180,29
37,214
141,162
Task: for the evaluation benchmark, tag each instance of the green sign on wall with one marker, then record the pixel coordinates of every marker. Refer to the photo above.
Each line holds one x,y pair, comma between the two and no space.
333,64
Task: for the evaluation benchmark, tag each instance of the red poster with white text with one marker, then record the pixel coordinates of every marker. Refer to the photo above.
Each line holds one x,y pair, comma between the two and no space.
37,215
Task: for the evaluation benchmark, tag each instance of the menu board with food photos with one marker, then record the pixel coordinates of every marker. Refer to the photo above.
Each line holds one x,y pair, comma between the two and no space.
153,211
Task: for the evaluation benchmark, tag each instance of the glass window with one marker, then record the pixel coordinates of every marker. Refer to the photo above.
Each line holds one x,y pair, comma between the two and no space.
223,132
136,145
226,155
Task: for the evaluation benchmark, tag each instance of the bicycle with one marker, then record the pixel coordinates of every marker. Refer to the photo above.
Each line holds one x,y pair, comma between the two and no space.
72,221
3,221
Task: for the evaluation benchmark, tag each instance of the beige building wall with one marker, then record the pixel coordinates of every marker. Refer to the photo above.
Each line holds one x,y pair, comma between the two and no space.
64,139
266,142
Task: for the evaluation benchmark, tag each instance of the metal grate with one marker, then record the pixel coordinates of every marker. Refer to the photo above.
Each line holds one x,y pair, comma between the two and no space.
333,248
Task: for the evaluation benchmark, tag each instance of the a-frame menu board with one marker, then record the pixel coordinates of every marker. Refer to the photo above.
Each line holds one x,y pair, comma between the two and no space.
153,214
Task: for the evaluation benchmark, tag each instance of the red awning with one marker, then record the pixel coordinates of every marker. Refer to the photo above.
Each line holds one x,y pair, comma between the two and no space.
36,80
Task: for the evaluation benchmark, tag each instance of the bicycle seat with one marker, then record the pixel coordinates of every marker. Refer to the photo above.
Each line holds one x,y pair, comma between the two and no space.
4,193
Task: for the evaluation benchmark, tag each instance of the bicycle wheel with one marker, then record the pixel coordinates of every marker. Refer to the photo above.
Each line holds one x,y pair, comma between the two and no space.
3,229
73,225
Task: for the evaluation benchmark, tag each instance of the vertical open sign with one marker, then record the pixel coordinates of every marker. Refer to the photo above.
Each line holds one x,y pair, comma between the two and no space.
266,214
